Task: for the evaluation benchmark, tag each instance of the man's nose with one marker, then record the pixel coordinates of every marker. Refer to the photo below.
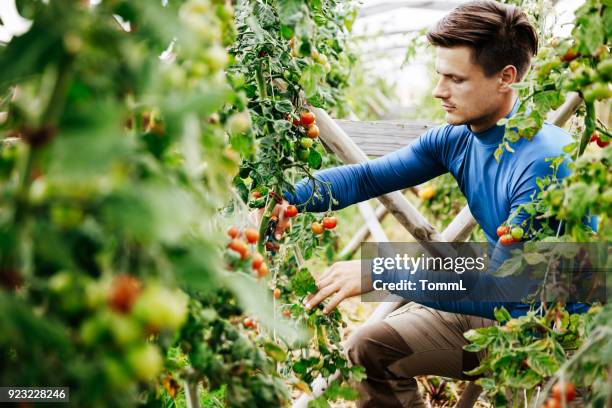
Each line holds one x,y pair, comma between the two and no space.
441,91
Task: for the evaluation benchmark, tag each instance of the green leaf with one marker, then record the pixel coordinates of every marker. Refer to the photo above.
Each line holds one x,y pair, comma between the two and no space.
243,143
290,12
543,364
486,383
281,126
275,351
287,32
590,31
509,267
303,283
358,373
527,380
534,258
284,106
254,25
264,14
607,21
319,402
336,391
311,76
314,159
502,315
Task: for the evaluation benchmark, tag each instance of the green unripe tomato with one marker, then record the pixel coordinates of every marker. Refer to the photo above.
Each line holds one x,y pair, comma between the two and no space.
145,361
597,91
125,330
92,331
238,123
159,307
517,233
604,69
306,142
303,154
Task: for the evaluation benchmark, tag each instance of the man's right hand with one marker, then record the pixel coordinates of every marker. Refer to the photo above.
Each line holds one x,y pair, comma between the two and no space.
278,211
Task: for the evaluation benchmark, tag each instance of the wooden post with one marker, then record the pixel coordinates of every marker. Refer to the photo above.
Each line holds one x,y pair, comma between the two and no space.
361,235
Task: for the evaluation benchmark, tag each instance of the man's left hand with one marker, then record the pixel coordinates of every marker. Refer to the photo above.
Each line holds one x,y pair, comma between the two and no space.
342,280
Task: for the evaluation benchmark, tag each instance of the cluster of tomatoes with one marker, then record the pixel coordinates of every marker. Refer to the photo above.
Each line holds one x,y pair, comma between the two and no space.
328,223
308,122
241,247
508,236
595,137
125,314
560,391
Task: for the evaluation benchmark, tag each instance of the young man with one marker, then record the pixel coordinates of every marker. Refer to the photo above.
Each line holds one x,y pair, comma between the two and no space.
482,48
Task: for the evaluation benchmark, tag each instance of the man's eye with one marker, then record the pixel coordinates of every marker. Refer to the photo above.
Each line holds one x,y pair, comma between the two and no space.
456,80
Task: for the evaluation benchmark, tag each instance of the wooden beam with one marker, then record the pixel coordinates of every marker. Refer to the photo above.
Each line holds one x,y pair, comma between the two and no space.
562,115
361,235
379,138
460,227
371,220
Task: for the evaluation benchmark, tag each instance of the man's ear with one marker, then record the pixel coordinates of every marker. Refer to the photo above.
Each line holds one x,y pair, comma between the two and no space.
507,76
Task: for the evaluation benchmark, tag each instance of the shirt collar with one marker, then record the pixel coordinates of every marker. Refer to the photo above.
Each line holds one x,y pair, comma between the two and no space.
494,134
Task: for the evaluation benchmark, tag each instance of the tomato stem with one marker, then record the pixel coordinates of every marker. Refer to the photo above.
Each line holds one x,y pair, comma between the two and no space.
590,125
261,85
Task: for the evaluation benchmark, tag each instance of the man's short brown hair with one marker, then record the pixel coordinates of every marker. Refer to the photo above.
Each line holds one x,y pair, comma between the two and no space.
499,35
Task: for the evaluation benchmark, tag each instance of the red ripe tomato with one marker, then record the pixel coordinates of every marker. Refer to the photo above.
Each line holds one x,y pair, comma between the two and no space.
233,232
244,252
307,118
257,260
123,293
248,323
256,194
277,293
564,387
506,239
252,235
238,245
601,143
552,403
330,222
262,271
313,132
291,211
316,228
503,230
570,55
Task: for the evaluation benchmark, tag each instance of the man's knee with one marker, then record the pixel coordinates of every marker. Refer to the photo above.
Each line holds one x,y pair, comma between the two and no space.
375,347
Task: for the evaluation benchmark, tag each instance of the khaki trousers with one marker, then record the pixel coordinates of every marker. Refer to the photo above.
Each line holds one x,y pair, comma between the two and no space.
414,340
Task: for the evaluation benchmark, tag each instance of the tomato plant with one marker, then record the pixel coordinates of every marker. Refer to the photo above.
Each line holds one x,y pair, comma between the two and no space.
550,345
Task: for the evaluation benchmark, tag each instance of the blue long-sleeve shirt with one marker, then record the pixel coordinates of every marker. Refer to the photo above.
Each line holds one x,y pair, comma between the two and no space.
493,190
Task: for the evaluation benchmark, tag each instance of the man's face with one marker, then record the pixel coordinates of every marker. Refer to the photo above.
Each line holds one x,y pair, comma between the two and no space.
467,95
